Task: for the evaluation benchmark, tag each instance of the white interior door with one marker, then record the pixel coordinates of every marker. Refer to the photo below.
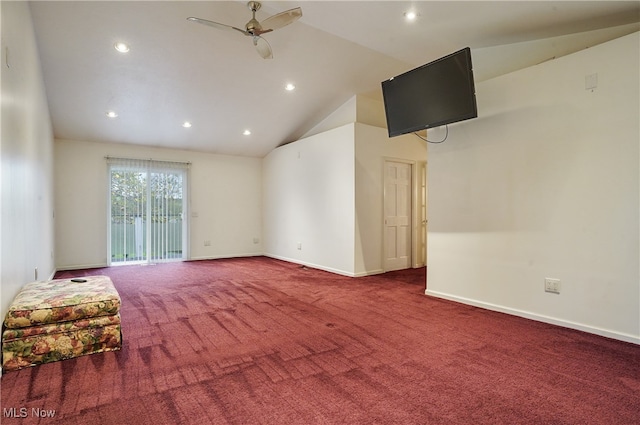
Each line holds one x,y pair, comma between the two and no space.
397,215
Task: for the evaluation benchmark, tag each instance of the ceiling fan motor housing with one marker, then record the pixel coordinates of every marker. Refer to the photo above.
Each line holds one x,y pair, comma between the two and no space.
253,27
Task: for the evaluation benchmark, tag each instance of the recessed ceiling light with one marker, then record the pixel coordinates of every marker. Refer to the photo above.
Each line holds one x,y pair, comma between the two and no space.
411,15
186,124
290,87
121,47
246,132
112,114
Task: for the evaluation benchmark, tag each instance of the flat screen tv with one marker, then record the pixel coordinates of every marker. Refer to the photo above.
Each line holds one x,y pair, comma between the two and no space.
438,93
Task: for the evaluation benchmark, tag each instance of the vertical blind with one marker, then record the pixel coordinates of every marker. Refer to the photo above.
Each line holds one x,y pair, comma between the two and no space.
147,210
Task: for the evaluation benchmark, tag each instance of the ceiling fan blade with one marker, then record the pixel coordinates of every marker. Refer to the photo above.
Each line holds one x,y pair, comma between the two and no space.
281,19
215,25
263,48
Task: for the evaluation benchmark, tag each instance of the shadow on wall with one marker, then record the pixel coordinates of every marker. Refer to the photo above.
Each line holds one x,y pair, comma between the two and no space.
368,220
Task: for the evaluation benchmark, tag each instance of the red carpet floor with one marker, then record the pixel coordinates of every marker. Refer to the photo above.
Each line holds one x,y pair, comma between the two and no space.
261,341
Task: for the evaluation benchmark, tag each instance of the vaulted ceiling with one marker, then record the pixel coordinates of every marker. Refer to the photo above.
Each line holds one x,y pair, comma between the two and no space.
178,71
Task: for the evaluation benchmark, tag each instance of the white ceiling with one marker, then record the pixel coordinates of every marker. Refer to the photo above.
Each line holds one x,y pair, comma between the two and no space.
179,71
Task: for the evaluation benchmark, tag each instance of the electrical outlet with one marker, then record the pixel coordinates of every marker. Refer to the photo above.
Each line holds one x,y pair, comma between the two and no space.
552,285
207,243
300,245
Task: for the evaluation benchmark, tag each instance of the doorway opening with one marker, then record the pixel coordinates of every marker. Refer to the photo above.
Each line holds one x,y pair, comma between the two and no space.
147,217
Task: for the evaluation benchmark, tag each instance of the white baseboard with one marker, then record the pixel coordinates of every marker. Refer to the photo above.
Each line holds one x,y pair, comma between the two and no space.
369,273
239,255
220,257
537,317
102,265
82,266
312,265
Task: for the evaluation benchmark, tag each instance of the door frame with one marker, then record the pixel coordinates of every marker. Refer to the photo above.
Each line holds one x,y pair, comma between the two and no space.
420,197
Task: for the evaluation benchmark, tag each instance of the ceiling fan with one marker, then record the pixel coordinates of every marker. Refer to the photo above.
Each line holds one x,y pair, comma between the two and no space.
255,29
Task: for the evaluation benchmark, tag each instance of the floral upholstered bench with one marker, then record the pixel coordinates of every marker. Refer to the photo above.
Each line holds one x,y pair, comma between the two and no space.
61,319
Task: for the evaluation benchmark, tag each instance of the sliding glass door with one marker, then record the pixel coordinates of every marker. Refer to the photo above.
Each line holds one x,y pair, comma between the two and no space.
147,211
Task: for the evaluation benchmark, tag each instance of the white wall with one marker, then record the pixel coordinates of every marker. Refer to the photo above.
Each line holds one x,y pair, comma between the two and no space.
26,224
225,194
545,183
326,191
373,146
308,199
